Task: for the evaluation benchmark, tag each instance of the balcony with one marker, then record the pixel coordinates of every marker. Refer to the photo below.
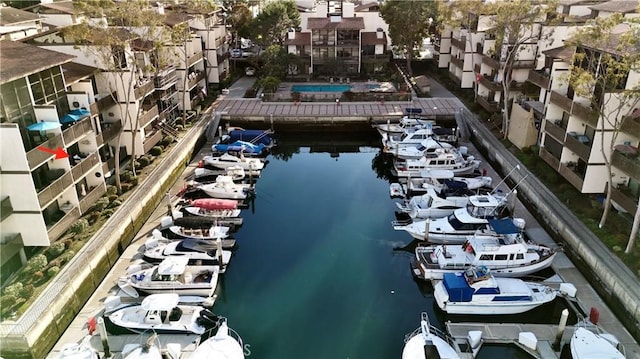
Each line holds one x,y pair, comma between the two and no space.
576,146
457,62
539,78
554,129
110,130
624,200
58,229
99,140
376,57
491,62
199,76
6,208
488,106
524,64
84,166
165,79
148,115
549,158
195,58
561,100
349,43
585,113
631,124
76,131
144,89
152,140
492,86
35,157
476,68
104,103
54,189
459,43
630,165
572,177
90,198
109,165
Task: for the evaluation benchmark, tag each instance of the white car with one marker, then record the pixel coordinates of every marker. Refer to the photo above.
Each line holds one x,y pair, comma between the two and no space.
250,71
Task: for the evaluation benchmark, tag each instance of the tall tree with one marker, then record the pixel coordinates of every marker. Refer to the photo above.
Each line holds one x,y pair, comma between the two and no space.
277,61
240,18
107,36
270,26
516,25
408,24
604,71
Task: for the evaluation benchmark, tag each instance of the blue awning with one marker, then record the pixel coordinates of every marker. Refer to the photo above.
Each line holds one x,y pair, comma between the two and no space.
75,115
503,226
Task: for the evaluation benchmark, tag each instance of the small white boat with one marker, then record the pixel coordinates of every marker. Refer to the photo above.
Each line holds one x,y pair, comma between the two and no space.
81,350
237,173
440,159
201,233
212,213
503,250
161,313
172,275
415,152
463,222
227,160
477,291
431,205
224,187
594,343
429,342
226,343
408,123
443,181
197,251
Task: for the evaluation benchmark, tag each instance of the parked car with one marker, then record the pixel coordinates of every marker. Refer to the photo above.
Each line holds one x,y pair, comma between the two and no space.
236,53
250,71
247,53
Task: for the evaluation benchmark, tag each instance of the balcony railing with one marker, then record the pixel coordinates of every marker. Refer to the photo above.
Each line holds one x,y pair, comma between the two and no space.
628,203
572,177
194,81
561,100
488,60
384,57
90,198
76,131
144,89
58,229
630,165
152,141
476,68
85,165
583,151
99,140
558,132
194,58
35,157
6,209
493,86
110,130
549,158
459,43
458,62
104,103
540,79
631,124
488,106
148,116
524,64
585,113
54,189
165,79
109,165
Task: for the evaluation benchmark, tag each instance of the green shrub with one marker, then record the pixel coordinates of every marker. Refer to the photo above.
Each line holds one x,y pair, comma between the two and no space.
108,212
143,161
167,140
79,226
54,250
66,257
111,190
38,262
13,290
101,204
27,291
94,216
134,181
179,127
112,197
37,276
115,203
156,150
51,272
126,186
126,176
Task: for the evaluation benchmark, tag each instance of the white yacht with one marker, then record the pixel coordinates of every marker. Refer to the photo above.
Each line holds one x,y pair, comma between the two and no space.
591,342
226,343
439,159
227,160
431,205
224,187
428,342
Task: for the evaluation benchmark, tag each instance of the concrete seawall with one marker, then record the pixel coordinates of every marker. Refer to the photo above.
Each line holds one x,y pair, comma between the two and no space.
613,280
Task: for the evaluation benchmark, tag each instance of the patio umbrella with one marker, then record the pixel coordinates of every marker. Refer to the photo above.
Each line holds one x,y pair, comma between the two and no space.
43,126
74,115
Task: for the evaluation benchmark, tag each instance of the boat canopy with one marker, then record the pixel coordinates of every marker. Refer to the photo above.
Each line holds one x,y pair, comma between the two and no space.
457,287
504,226
163,301
437,174
215,203
173,266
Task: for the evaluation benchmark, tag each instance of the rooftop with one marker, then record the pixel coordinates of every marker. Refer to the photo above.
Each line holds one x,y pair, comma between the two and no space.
11,16
620,6
14,66
323,23
371,38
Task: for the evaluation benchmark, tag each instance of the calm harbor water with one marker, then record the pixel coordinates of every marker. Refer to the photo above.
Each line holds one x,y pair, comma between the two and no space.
316,274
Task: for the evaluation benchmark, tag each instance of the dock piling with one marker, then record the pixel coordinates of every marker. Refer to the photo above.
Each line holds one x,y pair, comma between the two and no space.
561,327
102,330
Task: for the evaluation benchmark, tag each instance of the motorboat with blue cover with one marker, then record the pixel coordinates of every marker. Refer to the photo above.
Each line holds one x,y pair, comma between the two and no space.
477,291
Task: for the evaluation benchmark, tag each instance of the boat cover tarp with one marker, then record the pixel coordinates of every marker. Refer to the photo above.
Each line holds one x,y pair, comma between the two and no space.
453,184
163,301
215,203
457,287
503,226
249,136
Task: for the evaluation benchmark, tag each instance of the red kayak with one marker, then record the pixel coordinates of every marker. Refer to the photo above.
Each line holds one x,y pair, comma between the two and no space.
214,203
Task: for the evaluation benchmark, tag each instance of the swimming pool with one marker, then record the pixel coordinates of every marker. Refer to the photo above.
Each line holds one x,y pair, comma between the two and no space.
320,88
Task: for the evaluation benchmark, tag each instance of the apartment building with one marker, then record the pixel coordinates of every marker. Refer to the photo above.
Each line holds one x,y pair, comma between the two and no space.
16,24
336,37
47,104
